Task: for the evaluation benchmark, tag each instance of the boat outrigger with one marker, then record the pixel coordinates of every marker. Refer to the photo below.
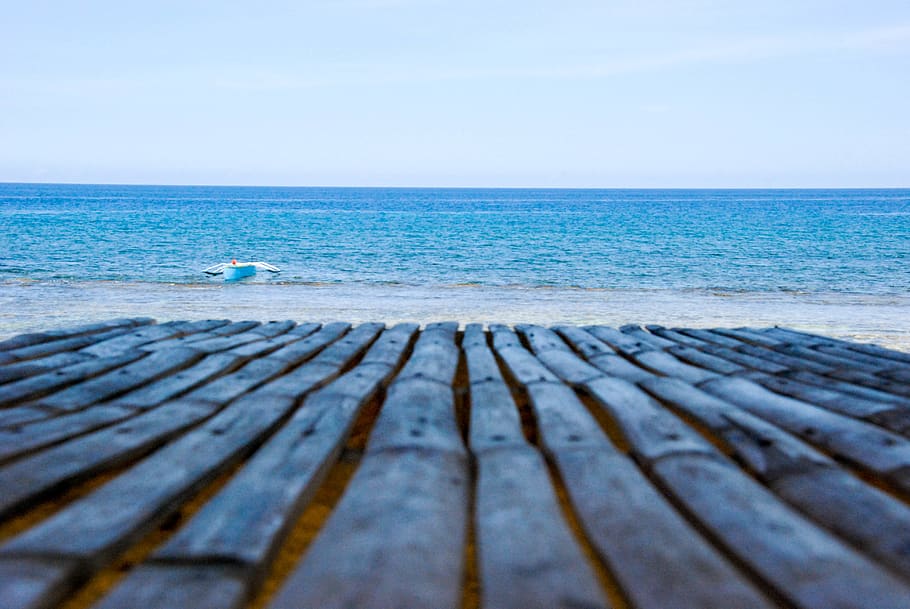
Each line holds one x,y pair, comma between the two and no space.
237,270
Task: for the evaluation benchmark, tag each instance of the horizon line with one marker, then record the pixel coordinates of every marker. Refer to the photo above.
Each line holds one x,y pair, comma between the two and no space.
424,187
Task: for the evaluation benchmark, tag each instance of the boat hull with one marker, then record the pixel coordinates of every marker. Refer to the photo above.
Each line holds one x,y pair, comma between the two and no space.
233,272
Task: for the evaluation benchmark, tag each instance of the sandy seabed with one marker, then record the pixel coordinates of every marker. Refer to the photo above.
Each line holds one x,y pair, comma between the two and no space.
35,306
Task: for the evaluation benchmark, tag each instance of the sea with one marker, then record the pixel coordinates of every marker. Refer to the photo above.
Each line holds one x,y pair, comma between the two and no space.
835,262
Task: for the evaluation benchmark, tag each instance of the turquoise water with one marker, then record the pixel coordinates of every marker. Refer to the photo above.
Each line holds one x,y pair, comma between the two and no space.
826,260
852,241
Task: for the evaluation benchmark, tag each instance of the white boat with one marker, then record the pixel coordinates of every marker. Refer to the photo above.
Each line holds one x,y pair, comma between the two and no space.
234,270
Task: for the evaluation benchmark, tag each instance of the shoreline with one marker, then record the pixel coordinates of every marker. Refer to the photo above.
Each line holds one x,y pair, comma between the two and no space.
37,306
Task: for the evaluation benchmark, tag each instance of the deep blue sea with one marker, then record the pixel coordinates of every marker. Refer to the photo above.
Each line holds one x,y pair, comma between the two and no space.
855,241
836,261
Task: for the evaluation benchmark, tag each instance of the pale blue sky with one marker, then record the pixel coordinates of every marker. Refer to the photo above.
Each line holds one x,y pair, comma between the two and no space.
647,93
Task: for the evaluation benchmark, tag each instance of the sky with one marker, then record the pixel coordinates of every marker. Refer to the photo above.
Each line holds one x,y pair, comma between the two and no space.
496,93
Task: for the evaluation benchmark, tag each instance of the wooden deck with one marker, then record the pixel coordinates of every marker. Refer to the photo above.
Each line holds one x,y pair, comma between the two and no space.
213,464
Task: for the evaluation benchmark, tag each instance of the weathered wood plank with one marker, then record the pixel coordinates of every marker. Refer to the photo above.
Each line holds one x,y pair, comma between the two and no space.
102,524
624,343
36,338
405,510
34,435
748,336
157,586
142,336
802,562
745,360
601,356
789,361
873,521
663,363
705,360
245,522
177,384
227,330
121,380
832,361
34,477
863,444
34,583
894,416
21,370
852,378
710,337
643,335
863,391
557,356
59,346
656,557
678,337
526,552
43,384
748,521
864,358
805,564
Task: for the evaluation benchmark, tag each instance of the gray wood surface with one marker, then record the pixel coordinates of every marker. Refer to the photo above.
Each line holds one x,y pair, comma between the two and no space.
639,468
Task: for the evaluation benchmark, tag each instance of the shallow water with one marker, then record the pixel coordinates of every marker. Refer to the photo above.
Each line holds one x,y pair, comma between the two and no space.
831,261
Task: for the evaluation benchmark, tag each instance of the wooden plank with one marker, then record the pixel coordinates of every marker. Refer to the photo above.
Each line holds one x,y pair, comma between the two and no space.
246,521
853,378
802,562
663,363
797,337
678,337
43,384
495,422
523,366
34,435
651,430
14,417
35,477
268,345
202,586
174,385
584,342
833,381
782,359
748,336
865,358
882,352
121,380
21,370
36,338
893,416
557,356
366,545
142,336
643,335
873,521
710,337
34,583
326,363
299,351
656,557
601,356
705,360
59,346
229,329
901,375
628,345
863,444
805,564
745,360
527,555
832,361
